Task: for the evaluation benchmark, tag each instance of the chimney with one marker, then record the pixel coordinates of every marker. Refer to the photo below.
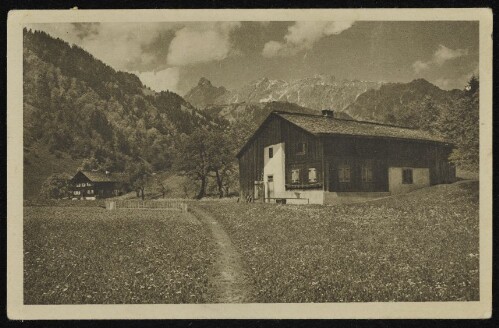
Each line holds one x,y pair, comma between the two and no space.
328,113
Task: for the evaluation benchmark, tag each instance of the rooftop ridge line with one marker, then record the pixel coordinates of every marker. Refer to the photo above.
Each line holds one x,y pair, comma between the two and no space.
344,119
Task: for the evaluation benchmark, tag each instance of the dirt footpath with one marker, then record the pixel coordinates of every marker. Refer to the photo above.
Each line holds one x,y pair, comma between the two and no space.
229,279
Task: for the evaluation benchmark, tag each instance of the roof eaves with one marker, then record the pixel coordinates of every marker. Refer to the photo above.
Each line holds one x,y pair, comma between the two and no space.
253,135
326,134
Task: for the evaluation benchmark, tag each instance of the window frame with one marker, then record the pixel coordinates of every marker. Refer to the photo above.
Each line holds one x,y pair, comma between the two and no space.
270,178
301,148
271,152
341,173
407,179
367,173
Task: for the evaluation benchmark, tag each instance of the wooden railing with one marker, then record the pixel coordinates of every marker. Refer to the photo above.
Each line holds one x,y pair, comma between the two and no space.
175,204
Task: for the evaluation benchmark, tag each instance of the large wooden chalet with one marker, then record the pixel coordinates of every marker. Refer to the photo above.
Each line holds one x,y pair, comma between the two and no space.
88,185
320,159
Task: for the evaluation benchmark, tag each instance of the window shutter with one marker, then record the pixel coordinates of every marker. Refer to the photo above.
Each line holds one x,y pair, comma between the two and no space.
344,173
295,176
312,175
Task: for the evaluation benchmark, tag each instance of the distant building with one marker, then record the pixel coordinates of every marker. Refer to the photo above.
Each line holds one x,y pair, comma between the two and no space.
95,184
321,159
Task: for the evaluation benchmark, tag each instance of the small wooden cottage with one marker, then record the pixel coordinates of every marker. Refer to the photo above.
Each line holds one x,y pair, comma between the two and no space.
95,184
321,159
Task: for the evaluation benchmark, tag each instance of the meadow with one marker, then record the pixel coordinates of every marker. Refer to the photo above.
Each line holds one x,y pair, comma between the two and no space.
422,246
76,255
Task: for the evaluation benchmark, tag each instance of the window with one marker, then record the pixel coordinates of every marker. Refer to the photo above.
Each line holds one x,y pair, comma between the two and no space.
367,173
301,148
406,176
76,192
90,191
270,178
271,152
295,176
312,175
344,173
89,184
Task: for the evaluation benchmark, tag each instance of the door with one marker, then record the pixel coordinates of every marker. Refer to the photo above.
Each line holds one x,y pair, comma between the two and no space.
367,175
270,186
259,190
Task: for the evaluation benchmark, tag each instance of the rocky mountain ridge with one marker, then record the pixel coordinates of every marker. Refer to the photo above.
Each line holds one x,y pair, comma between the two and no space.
317,92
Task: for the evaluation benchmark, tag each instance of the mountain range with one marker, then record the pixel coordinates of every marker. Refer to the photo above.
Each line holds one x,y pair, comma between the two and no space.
317,92
394,103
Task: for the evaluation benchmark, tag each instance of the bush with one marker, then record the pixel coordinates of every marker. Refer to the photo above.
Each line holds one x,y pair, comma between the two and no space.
56,186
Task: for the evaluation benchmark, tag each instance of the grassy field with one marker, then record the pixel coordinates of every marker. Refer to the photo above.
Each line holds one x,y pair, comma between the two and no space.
422,246
78,255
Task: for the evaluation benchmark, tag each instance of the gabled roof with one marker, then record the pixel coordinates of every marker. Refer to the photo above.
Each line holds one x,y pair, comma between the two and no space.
322,125
319,125
98,176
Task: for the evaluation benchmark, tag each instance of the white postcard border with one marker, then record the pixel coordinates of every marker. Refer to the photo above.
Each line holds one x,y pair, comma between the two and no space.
17,310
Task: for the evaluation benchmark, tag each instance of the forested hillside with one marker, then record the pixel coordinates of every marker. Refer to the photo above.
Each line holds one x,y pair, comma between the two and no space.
77,107
403,103
420,104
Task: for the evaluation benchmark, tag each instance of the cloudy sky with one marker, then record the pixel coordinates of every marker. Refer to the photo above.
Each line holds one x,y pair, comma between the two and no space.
174,56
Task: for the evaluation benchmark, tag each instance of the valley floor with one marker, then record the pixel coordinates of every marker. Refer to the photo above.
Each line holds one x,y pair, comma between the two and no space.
421,246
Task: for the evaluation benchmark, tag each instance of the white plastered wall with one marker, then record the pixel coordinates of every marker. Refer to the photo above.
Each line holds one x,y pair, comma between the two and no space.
304,196
420,177
275,166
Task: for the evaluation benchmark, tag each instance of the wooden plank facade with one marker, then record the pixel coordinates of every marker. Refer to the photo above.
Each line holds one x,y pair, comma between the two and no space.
96,185
338,163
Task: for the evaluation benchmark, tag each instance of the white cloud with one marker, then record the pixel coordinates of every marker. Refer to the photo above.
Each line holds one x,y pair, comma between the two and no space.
202,43
440,56
272,48
303,35
444,54
163,80
419,66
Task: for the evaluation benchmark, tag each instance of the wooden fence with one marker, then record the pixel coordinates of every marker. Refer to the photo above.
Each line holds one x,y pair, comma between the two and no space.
174,204
281,200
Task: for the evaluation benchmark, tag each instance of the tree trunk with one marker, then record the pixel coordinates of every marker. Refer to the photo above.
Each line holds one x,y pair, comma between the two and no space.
219,184
202,189
142,193
137,192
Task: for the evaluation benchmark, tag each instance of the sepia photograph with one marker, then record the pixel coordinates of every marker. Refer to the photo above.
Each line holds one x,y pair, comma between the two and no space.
185,158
